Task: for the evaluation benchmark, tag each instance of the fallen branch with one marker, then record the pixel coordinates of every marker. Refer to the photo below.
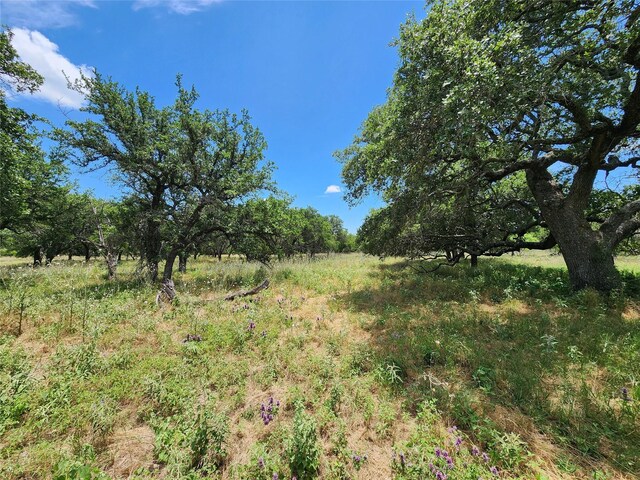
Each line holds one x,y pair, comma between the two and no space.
246,293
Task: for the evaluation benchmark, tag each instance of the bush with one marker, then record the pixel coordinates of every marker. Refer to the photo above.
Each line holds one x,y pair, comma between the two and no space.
302,448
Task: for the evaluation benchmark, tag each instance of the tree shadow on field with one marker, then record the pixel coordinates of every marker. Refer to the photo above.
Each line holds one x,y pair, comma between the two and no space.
505,345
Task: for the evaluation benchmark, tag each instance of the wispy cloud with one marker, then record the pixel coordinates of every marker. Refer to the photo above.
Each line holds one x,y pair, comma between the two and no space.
333,189
40,14
183,7
42,54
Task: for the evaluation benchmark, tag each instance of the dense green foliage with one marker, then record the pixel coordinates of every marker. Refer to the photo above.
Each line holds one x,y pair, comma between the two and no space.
501,117
28,182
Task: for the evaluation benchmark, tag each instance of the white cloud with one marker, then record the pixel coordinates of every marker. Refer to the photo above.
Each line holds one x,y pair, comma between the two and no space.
40,14
183,7
42,54
333,189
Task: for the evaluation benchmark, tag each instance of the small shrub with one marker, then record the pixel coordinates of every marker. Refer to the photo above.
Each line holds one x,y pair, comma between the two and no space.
199,444
303,450
75,470
390,374
81,360
208,437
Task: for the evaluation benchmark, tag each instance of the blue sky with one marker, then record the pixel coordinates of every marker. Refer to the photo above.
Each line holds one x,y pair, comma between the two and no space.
308,72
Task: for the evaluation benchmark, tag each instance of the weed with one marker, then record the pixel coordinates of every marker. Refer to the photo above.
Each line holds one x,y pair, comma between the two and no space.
303,450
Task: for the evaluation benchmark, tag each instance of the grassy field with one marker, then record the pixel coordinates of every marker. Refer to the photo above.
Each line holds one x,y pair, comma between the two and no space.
346,367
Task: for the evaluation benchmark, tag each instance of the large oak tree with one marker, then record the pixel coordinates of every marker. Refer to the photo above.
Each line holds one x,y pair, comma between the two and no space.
495,93
184,169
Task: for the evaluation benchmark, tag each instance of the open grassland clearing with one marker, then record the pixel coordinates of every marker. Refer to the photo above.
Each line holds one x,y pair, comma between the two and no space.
346,367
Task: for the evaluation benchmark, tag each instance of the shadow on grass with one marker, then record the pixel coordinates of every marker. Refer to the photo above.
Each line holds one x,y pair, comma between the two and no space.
505,345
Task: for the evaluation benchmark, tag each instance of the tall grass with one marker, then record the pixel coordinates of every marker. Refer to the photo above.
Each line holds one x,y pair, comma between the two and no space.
378,372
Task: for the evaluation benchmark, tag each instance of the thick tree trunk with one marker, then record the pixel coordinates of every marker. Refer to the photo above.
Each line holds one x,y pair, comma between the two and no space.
152,251
167,289
590,263
87,253
69,256
588,256
49,258
119,257
152,242
168,267
37,257
182,262
474,261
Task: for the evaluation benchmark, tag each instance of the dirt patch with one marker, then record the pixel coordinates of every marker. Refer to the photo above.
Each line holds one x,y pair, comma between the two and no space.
131,449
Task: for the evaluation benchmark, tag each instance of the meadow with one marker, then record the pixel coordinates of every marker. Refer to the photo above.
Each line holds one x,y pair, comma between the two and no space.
347,367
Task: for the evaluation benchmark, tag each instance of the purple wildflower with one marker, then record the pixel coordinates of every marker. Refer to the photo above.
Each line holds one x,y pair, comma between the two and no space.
485,457
261,463
267,411
475,451
450,462
251,326
441,476
275,476
625,394
494,471
438,452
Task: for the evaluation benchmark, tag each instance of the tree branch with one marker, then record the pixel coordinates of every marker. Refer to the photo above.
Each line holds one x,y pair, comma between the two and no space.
621,224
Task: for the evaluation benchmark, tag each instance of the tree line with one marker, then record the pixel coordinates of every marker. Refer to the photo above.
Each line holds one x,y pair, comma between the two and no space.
510,125
195,182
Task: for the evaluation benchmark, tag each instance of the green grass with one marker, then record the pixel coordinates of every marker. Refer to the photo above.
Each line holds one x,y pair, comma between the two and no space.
377,370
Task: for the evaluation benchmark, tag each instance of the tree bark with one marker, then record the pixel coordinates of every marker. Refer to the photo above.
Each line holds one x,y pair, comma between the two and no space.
167,291
152,247
37,257
589,262
182,262
87,253
167,274
587,254
152,242
474,261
